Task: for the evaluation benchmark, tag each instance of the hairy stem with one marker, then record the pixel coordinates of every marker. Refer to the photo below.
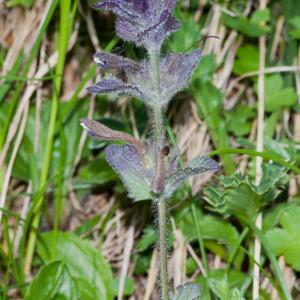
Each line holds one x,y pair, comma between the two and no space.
158,128
158,135
157,110
163,260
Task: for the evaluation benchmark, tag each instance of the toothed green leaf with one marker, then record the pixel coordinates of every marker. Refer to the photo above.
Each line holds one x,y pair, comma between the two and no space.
188,291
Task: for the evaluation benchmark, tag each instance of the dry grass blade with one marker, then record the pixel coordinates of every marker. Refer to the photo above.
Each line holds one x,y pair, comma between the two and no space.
126,259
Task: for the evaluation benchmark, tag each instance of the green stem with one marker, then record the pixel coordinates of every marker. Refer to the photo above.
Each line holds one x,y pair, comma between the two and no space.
156,109
236,249
201,244
158,134
200,238
267,155
163,263
158,127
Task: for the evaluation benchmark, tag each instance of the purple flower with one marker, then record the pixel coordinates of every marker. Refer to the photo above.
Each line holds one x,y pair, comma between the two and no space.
145,22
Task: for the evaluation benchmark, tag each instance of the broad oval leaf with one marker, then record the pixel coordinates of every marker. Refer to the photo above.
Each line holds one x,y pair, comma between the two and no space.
46,283
88,269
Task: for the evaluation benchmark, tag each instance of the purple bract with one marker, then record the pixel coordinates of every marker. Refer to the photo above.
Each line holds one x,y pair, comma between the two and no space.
145,22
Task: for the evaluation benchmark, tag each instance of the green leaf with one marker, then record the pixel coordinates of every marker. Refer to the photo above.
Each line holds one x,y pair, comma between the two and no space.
96,172
209,105
276,96
224,286
212,229
242,197
148,239
87,267
295,23
186,37
47,282
26,3
188,291
247,60
261,15
206,68
249,27
286,240
128,288
142,264
239,120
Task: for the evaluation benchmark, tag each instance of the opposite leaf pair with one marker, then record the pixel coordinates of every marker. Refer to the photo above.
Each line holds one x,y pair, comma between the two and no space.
143,174
175,70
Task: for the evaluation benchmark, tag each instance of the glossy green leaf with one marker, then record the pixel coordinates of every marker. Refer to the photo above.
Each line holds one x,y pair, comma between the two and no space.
47,282
87,267
53,282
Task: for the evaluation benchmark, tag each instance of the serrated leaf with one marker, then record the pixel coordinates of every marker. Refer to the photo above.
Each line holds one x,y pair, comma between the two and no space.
198,165
242,197
88,269
286,240
127,162
188,291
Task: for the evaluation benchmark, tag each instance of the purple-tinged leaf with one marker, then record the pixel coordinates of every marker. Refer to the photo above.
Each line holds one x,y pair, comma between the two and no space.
112,61
99,131
129,164
114,85
176,70
197,166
